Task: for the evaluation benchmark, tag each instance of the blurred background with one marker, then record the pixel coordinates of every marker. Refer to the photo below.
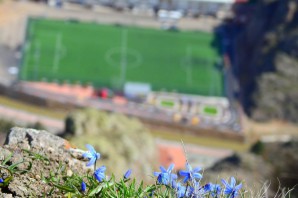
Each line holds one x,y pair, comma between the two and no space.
155,82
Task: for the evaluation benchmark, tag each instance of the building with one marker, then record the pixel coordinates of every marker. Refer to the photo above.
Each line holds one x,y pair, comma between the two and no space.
193,8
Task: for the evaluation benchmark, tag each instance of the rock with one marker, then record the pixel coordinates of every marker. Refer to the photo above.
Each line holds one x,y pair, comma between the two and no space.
33,138
46,152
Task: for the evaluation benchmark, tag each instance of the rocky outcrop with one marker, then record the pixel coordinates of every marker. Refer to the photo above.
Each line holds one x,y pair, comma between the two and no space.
248,168
265,50
39,155
272,169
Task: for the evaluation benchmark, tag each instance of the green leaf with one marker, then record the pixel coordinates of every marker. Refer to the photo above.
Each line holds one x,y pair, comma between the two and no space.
27,169
7,159
65,188
7,179
101,187
96,190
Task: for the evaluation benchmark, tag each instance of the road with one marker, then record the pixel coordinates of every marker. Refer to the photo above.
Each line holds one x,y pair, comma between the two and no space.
14,15
198,155
25,118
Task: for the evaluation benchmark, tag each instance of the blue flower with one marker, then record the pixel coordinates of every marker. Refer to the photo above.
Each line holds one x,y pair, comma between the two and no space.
1,180
208,187
214,189
231,189
181,190
99,174
174,184
92,155
83,186
127,174
190,173
165,177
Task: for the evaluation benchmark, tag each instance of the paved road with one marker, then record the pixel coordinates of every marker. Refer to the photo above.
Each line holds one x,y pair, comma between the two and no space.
24,118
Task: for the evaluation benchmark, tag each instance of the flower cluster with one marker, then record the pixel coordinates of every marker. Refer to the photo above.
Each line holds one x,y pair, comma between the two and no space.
99,173
187,183
190,185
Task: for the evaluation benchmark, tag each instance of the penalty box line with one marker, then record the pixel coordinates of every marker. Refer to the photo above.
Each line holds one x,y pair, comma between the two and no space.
57,55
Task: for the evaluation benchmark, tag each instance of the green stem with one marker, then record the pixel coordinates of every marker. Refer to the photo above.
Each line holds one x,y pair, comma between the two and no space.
186,190
7,179
94,166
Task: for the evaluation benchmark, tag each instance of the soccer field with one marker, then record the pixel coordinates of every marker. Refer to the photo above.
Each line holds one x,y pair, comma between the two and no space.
110,55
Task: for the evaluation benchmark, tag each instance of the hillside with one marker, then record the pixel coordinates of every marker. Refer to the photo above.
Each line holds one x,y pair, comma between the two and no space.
272,165
266,58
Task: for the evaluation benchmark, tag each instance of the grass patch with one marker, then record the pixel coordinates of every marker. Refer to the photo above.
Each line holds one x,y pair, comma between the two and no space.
202,141
167,103
5,101
209,110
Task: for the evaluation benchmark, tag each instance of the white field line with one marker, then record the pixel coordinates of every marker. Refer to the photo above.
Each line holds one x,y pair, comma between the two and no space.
26,51
123,60
27,48
212,77
36,59
189,65
56,59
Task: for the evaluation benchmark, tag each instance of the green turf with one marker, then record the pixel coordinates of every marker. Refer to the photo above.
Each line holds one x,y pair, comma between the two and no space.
167,103
110,55
210,110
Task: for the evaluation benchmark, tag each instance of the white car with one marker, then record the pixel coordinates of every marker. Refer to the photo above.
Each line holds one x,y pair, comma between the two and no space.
13,70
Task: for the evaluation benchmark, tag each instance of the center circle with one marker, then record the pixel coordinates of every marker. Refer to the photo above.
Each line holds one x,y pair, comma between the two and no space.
115,56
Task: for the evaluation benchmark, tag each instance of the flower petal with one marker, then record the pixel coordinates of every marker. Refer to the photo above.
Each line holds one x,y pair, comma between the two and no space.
83,186
102,168
183,173
197,169
228,190
233,181
127,174
224,182
174,176
87,155
197,176
185,179
91,162
238,187
171,167
189,168
162,169
90,148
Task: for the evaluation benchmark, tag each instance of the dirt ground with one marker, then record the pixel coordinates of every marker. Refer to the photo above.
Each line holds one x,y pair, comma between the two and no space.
271,131
13,15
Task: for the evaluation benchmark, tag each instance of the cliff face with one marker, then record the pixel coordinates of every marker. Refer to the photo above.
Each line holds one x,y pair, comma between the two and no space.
269,32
